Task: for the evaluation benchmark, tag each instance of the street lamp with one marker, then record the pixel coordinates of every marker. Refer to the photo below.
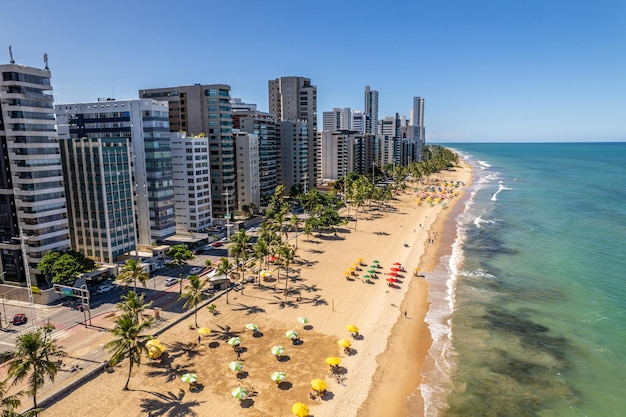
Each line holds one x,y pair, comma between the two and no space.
29,286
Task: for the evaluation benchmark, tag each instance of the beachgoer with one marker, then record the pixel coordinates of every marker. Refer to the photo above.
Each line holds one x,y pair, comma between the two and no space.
405,314
199,339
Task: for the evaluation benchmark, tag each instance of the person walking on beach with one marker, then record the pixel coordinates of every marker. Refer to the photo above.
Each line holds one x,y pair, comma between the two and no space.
405,314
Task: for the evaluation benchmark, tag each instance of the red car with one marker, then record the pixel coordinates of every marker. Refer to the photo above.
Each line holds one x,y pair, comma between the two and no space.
216,244
20,318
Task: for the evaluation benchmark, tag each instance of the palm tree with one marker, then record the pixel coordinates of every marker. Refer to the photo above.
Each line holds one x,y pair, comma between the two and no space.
133,272
129,341
32,359
193,295
239,247
294,222
133,304
223,268
180,254
10,403
287,255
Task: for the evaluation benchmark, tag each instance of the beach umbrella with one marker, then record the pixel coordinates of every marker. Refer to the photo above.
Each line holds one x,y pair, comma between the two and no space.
352,328
278,350
299,409
155,348
278,376
347,273
265,273
359,260
252,326
392,274
352,268
240,393
366,276
189,378
234,341
235,366
375,261
303,320
397,263
204,331
292,334
392,279
333,361
318,385
371,271
395,269
344,343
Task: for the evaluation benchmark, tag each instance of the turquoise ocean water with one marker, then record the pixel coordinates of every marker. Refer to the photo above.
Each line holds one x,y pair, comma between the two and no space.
528,313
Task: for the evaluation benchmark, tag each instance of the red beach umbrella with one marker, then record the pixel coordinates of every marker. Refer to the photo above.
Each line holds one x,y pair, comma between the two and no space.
397,263
393,274
395,269
392,280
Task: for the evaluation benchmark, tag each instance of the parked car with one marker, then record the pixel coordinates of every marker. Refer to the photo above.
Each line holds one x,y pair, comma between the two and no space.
217,244
170,281
196,270
104,288
20,318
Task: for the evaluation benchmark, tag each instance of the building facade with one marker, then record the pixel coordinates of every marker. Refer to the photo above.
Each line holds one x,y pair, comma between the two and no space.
294,150
206,109
338,119
145,124
248,179
32,195
192,183
295,99
371,110
99,189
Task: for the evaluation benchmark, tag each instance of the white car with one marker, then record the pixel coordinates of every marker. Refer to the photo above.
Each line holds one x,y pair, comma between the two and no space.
170,281
196,270
104,288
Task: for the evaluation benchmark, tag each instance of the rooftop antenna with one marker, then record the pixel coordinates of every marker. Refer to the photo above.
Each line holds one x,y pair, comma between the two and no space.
11,54
45,60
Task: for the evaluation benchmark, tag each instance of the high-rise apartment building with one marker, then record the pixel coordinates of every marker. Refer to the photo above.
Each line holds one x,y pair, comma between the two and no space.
247,159
371,110
32,196
295,99
358,121
247,119
192,182
416,131
145,124
99,189
338,119
206,109
294,150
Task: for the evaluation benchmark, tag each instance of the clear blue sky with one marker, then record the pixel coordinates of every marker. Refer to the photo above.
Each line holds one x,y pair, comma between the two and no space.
535,70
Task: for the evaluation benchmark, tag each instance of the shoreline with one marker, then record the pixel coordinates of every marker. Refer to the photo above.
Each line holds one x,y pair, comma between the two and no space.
321,292
395,388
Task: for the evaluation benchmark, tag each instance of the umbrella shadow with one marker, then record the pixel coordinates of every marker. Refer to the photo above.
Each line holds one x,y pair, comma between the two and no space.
249,309
247,403
257,334
284,358
214,345
285,385
328,395
242,374
352,352
308,327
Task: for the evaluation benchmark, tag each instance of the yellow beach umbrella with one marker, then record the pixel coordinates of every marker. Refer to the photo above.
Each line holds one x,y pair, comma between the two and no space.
352,328
265,274
347,273
352,268
333,361
155,348
204,331
344,343
300,409
318,385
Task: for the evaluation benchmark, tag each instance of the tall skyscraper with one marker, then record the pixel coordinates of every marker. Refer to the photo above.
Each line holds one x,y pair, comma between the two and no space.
32,197
206,109
417,131
144,123
371,110
295,99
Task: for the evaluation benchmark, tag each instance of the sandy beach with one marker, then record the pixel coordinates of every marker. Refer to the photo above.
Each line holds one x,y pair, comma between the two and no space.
380,372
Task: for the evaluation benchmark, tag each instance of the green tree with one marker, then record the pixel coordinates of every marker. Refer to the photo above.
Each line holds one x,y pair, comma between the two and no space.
193,295
239,248
133,272
32,361
294,223
10,403
129,342
180,254
134,304
64,267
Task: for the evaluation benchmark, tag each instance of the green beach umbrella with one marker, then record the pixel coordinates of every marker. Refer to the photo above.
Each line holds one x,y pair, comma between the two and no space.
372,271
292,334
235,366
252,326
278,376
189,378
278,350
375,261
303,320
240,393
234,341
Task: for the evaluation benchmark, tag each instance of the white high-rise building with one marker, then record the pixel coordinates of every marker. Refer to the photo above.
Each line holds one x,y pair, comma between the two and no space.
247,161
32,194
338,119
358,121
192,182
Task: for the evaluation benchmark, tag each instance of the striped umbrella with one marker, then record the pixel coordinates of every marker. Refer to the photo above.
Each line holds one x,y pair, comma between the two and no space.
303,320
235,366
252,326
278,376
292,334
189,378
234,341
240,393
278,350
